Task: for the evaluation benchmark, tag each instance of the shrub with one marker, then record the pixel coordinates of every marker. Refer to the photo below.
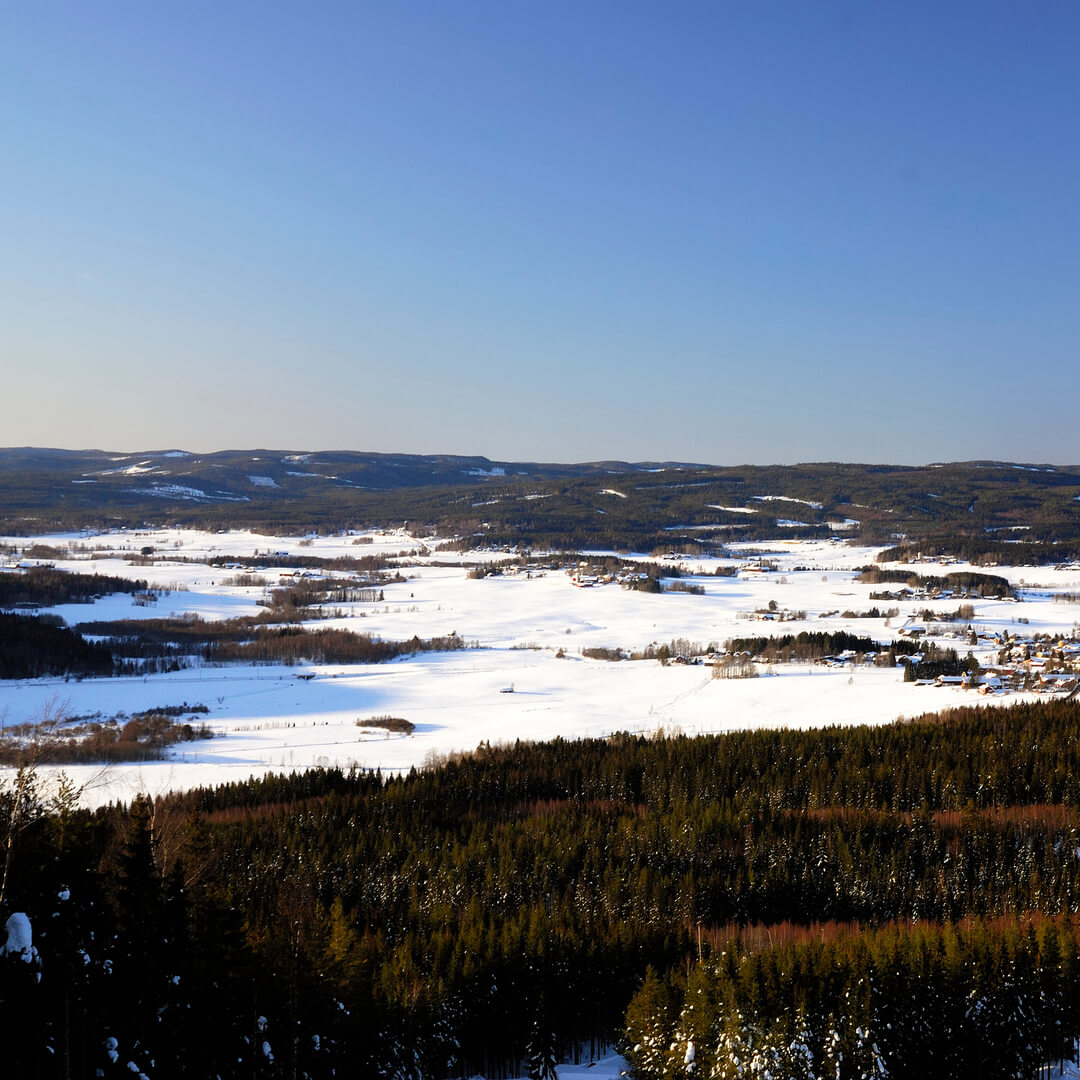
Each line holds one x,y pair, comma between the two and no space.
597,652
389,723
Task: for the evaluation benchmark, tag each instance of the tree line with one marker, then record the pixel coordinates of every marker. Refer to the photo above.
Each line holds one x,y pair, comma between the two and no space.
32,647
45,586
36,646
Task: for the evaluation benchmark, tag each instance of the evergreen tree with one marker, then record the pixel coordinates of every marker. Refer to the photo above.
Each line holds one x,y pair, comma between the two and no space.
540,1054
650,1026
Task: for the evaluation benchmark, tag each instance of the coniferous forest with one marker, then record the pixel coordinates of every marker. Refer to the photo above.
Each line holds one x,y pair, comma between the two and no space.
960,509
845,902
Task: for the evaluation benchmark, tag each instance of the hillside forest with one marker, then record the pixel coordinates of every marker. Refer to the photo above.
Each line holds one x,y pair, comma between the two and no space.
844,902
987,512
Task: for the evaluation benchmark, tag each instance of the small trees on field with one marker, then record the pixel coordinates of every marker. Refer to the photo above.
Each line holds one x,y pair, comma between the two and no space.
734,667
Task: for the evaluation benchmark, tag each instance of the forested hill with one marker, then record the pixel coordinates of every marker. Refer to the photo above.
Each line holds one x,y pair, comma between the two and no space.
895,901
988,511
240,474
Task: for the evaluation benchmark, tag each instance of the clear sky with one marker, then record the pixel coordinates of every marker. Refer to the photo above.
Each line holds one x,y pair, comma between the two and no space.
708,231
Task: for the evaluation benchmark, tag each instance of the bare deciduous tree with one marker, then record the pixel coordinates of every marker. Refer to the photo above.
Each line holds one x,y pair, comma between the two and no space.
22,801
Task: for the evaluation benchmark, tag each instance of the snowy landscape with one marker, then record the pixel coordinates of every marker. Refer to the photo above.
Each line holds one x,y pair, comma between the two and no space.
539,542
525,629
503,660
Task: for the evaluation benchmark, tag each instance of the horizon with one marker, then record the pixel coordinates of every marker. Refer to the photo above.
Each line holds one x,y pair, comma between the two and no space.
708,233
306,451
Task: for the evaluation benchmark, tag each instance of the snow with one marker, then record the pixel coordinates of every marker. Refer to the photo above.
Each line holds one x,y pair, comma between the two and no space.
703,528
786,498
611,1067
20,939
180,491
131,470
263,481
269,720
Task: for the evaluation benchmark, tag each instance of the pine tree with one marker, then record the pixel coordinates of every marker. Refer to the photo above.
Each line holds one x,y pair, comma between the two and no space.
540,1057
650,1023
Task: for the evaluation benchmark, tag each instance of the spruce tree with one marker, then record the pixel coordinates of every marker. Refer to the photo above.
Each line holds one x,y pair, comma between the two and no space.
540,1056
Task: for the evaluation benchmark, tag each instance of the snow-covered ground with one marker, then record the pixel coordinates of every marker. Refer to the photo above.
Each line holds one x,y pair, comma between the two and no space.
270,719
1070,1071
606,1068
614,1068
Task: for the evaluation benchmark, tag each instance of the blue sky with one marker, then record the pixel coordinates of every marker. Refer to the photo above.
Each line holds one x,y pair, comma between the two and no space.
717,232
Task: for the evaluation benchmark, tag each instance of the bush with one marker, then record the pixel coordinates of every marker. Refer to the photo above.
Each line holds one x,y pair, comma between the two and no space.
389,723
596,652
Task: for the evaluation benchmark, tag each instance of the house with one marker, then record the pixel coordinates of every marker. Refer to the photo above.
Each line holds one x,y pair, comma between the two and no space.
953,680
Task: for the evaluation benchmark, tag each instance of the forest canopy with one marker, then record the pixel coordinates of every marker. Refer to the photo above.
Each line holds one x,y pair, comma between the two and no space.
814,885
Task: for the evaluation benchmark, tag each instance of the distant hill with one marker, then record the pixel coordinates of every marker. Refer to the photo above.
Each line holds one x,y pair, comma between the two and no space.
237,475
979,509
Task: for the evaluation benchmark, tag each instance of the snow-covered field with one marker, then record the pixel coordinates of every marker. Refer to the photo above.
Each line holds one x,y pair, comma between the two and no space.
607,1068
270,719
